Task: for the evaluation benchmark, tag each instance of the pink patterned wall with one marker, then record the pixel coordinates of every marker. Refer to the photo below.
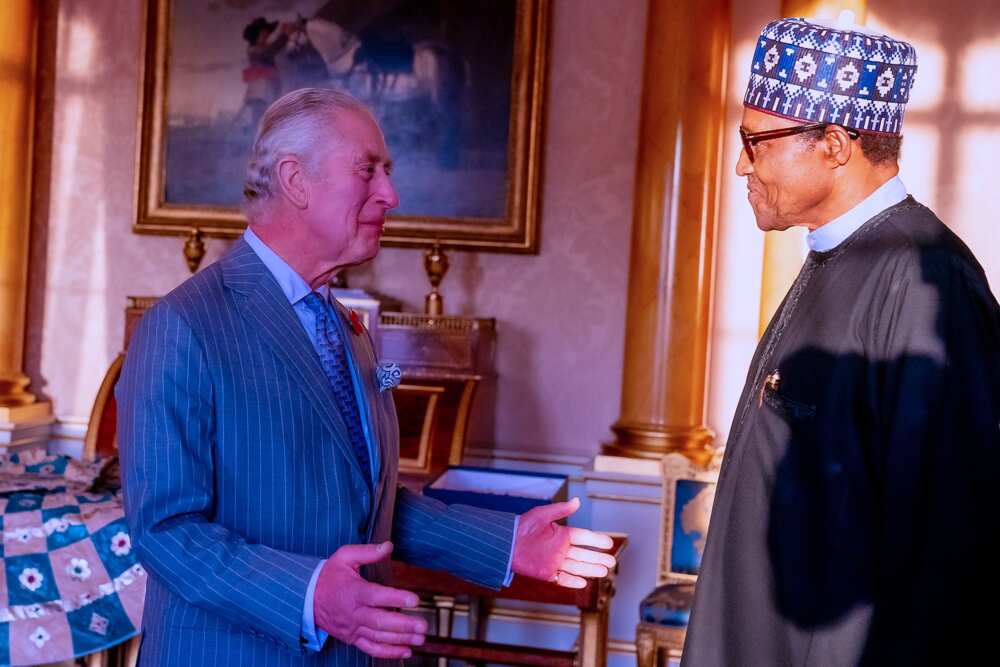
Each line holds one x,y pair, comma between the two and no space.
560,313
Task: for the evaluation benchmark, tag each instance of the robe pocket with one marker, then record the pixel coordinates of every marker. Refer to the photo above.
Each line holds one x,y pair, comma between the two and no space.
788,407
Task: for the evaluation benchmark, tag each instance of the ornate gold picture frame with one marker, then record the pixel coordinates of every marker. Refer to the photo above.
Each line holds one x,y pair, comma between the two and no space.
688,494
458,89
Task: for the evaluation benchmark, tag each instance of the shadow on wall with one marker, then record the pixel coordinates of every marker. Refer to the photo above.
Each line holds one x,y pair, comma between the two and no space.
883,513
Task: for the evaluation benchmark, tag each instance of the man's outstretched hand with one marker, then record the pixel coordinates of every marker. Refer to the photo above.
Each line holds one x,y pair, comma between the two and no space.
359,612
545,550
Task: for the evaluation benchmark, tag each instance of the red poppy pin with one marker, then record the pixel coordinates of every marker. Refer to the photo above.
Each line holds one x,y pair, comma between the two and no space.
356,323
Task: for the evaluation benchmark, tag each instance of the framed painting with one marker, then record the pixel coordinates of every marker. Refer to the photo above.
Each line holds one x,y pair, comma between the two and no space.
457,87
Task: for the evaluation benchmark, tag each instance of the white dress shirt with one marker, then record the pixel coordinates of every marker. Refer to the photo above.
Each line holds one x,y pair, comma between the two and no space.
833,233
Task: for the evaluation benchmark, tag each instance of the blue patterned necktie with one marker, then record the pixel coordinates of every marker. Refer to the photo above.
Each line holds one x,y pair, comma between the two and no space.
333,358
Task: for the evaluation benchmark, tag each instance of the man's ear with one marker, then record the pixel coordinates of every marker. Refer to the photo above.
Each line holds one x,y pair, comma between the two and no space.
292,181
839,146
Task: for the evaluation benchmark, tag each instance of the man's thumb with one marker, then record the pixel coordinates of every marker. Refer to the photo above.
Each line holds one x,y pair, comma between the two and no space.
557,511
363,554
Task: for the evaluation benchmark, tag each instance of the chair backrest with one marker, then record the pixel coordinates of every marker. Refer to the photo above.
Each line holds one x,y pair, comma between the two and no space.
688,493
101,429
100,439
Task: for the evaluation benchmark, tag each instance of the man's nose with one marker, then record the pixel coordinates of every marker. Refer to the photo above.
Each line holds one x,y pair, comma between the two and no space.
744,167
387,195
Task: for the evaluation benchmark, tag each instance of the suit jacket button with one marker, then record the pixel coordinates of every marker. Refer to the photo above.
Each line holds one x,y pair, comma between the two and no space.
363,528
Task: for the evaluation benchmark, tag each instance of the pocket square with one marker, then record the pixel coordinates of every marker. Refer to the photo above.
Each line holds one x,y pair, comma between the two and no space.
388,375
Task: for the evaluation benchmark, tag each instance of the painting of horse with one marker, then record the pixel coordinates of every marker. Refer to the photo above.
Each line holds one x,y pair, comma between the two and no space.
437,74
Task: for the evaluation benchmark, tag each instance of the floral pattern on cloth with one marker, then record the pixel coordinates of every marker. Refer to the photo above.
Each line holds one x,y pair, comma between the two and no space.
34,469
70,583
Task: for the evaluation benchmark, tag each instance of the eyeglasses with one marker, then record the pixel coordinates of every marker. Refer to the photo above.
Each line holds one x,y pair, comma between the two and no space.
751,139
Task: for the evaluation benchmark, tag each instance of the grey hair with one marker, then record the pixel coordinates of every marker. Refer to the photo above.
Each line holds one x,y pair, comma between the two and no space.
292,125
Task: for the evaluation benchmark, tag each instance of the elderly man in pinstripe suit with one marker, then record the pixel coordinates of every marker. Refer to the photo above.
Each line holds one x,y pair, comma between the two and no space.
258,452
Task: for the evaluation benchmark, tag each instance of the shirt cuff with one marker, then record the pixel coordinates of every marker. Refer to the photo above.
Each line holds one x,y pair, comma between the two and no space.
510,561
312,637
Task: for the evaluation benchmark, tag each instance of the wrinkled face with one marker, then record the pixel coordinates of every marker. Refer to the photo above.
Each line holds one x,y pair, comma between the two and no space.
351,191
788,177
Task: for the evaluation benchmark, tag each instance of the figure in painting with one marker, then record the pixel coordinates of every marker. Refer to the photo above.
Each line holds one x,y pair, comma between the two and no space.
265,40
395,56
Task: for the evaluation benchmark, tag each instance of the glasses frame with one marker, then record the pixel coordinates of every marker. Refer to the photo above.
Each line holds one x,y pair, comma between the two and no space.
751,139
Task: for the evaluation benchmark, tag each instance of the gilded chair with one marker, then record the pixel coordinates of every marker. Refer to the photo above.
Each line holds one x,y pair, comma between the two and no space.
100,439
686,506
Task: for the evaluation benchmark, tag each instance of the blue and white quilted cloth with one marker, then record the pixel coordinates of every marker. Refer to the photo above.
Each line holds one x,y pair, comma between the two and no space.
70,583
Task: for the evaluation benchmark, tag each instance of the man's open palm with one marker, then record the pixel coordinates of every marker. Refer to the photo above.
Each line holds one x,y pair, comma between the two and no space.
361,613
548,551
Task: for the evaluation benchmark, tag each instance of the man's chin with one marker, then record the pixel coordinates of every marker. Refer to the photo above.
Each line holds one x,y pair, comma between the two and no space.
363,257
373,247
770,223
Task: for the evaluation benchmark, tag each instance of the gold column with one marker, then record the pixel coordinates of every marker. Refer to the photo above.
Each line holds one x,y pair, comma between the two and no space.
18,34
783,251
673,232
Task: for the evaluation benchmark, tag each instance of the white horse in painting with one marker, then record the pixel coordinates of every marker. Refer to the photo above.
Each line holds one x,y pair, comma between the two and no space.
432,70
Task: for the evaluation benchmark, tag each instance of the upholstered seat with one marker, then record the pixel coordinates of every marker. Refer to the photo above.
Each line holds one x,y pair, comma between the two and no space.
669,604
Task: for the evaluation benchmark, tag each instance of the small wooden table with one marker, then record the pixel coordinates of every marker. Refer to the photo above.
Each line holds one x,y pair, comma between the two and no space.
592,601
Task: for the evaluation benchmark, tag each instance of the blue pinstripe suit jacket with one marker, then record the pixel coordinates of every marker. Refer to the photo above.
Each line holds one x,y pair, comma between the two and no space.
239,476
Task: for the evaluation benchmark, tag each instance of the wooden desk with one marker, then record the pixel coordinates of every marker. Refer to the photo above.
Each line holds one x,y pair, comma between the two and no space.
444,360
592,601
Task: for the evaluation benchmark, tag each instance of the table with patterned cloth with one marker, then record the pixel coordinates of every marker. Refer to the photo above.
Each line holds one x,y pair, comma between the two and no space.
70,584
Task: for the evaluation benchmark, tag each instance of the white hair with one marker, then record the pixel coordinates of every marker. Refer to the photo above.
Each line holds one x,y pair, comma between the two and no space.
292,125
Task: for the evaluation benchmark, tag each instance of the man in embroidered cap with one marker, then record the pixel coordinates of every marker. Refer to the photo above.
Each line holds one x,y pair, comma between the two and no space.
855,520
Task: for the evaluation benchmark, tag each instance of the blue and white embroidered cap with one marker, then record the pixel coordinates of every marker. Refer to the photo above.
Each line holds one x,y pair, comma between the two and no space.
826,73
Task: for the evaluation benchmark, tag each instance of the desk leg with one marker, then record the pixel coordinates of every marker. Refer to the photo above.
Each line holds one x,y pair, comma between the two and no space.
98,659
594,629
593,638
131,649
444,606
474,623
479,612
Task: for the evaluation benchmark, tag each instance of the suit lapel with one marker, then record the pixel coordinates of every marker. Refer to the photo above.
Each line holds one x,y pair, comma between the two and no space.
265,307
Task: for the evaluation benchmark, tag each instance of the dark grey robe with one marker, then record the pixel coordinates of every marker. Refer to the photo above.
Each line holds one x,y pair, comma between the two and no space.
857,518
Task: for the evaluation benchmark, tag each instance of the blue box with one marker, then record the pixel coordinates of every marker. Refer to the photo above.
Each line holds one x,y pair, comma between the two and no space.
514,491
